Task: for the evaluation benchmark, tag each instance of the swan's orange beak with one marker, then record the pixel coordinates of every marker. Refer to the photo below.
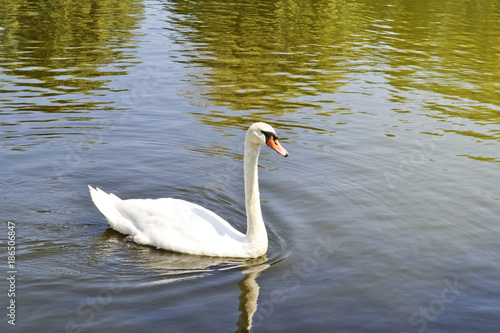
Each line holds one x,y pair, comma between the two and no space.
275,144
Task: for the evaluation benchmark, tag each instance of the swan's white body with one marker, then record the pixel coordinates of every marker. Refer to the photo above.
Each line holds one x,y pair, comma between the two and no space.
182,226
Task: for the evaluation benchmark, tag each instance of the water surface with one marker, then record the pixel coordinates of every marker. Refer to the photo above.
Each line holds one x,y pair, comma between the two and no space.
383,219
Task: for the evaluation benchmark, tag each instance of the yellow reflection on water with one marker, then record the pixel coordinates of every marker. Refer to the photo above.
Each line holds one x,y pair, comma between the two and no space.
264,55
54,51
279,56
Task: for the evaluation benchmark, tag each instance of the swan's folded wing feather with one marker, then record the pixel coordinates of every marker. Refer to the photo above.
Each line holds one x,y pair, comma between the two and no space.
176,224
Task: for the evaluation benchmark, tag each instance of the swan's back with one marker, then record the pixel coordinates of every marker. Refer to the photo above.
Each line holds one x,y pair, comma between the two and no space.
171,224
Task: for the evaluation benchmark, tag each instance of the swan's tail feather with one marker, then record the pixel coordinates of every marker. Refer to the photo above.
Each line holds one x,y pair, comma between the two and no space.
106,204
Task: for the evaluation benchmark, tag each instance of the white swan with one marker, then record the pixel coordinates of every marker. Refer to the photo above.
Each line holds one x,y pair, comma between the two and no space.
182,226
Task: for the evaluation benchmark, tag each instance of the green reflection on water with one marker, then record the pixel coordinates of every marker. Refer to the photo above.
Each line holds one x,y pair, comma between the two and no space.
280,56
264,55
249,59
53,52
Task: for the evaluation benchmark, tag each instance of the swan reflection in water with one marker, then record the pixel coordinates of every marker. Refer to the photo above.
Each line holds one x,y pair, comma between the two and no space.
249,296
168,267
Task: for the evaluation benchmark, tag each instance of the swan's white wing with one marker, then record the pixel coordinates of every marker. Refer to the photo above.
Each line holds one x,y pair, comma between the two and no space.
178,225
171,224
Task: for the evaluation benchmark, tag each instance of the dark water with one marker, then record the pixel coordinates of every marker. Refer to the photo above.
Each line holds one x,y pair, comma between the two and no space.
385,217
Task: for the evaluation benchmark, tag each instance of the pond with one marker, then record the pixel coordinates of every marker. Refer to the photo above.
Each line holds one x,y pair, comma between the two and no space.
384,218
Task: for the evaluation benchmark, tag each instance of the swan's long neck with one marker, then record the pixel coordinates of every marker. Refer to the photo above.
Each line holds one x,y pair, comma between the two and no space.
256,236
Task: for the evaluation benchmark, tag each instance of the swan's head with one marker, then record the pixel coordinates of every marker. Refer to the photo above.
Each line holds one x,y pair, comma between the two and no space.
262,133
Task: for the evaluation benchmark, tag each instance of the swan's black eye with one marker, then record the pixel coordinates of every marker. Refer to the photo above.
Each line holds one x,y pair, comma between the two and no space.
269,135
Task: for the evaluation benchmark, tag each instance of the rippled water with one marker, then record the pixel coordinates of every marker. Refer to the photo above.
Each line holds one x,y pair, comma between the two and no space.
383,219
